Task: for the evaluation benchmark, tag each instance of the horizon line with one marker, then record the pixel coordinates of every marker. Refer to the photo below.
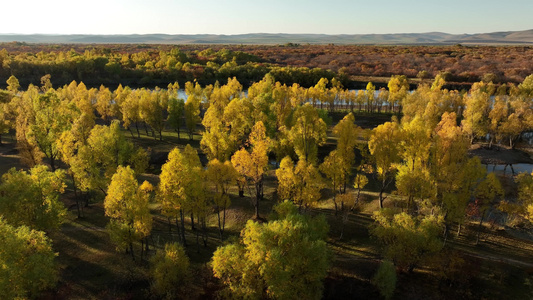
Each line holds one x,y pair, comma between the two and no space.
257,33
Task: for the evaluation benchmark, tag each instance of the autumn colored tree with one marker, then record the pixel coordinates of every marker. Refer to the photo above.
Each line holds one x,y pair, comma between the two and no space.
525,182
347,134
260,97
32,198
497,116
300,183
287,184
6,114
333,168
222,176
383,146
370,97
41,118
70,141
192,106
475,121
170,271
307,133
96,162
252,165
413,178
283,259
22,105
130,110
487,193
126,203
526,87
398,90
13,84
407,239
215,142
520,118
27,261
284,102
104,105
176,107
238,117
180,188
195,192
171,191
454,173
523,207
359,183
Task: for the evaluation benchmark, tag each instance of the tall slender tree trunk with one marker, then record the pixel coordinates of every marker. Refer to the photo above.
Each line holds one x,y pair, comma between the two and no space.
480,226
142,248
182,217
204,231
178,226
335,198
131,251
445,234
381,199
131,244
223,219
137,127
219,222
52,160
192,222
78,206
145,128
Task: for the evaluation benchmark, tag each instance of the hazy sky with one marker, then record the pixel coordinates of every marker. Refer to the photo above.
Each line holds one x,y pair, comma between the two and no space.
269,16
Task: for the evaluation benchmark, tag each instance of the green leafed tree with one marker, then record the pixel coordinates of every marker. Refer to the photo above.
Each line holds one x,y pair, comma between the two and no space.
307,133
384,147
222,176
170,272
32,198
285,258
126,204
181,187
407,239
106,149
192,106
347,134
385,279
27,262
176,107
333,168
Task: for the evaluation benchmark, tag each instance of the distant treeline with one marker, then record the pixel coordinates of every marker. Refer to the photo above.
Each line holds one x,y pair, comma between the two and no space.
148,68
151,65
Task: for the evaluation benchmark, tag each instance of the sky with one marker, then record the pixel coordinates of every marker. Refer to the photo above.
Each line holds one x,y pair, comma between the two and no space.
264,16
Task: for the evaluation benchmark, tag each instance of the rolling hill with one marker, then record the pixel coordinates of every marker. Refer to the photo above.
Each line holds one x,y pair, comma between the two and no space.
497,38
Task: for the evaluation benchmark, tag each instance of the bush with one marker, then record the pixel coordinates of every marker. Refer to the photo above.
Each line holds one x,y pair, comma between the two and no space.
170,271
385,279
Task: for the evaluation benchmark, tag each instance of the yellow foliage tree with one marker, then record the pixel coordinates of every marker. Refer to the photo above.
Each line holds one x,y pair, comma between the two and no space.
307,133
126,204
252,165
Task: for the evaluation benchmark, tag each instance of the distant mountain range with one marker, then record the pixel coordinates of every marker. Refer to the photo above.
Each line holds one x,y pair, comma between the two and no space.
495,38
